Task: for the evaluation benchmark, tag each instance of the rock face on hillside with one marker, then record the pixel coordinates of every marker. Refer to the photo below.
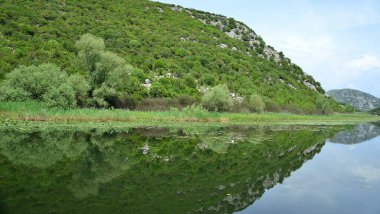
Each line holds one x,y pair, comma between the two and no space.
359,100
254,43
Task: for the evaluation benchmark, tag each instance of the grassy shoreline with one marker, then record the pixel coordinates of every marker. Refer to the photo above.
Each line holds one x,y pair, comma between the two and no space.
37,113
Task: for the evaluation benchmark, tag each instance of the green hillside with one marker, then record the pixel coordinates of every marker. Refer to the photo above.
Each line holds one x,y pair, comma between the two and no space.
176,53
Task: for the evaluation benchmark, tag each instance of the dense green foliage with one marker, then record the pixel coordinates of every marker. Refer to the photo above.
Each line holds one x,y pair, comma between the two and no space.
178,54
217,99
45,82
155,170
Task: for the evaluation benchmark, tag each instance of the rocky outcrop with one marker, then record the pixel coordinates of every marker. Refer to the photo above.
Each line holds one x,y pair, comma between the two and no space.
254,43
359,100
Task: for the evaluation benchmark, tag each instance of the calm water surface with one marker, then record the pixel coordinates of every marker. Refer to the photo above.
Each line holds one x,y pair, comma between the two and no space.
290,169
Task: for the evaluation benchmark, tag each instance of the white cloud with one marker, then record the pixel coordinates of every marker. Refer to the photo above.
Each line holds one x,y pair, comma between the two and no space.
363,63
367,173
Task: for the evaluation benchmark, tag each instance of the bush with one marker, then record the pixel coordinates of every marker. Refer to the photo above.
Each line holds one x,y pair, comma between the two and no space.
157,104
9,93
195,110
217,99
239,107
323,105
255,103
130,102
81,87
63,96
31,82
134,43
103,96
186,100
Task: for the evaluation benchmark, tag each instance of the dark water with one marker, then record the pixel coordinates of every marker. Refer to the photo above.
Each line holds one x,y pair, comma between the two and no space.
291,169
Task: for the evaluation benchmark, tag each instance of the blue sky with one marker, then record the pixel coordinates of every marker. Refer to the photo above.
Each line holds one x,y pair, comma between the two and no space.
336,41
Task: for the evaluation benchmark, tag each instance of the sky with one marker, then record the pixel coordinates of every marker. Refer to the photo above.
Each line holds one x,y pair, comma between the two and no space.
335,41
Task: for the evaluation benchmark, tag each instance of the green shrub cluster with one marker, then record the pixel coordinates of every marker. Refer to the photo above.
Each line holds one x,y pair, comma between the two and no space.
217,99
45,82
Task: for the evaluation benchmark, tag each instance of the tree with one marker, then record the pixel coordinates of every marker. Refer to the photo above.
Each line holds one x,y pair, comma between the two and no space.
90,47
96,60
217,99
110,75
107,62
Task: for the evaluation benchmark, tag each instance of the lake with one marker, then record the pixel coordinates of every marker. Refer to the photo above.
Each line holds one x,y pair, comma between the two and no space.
278,169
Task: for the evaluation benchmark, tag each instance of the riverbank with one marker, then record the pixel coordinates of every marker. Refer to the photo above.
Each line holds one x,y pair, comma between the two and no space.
34,112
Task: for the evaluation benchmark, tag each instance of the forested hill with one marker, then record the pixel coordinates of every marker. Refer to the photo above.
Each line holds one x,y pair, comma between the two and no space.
174,51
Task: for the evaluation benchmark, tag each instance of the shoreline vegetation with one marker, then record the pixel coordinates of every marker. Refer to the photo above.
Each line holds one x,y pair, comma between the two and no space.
31,113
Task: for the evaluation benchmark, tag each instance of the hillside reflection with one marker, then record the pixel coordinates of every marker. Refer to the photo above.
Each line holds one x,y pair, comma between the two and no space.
149,170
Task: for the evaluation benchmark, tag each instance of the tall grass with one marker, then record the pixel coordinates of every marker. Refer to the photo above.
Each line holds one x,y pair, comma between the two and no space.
36,111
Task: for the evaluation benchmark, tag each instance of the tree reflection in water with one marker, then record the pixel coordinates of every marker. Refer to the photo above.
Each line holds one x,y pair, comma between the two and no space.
149,170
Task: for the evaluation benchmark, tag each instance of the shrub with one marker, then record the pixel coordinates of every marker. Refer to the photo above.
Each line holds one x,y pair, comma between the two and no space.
239,107
323,105
217,99
103,96
63,96
36,82
130,102
272,106
134,43
8,92
195,110
157,104
255,103
81,87
32,81
186,100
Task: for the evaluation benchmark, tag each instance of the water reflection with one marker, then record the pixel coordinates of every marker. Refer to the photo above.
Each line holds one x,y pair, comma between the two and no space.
342,178
358,134
150,170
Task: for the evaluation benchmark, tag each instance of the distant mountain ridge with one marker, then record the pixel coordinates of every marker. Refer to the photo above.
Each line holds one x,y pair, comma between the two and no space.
359,100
